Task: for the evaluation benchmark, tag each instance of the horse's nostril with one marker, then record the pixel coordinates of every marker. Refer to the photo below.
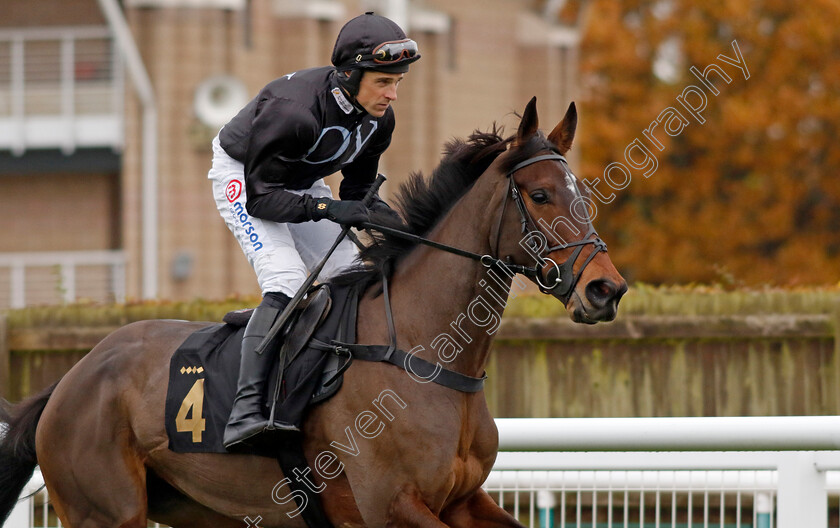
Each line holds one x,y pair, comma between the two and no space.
606,290
601,292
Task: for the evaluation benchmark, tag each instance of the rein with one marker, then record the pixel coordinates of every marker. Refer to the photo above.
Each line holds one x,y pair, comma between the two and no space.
487,260
559,281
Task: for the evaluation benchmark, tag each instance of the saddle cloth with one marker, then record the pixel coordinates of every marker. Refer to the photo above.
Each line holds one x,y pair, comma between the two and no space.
203,372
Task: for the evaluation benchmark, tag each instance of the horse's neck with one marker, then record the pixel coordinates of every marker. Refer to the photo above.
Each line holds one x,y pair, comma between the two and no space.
451,306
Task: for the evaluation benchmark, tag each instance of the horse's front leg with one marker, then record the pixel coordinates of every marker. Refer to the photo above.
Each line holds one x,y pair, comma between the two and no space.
478,511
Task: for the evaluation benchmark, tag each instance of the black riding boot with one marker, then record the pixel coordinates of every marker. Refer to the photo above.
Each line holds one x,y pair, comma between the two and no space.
246,418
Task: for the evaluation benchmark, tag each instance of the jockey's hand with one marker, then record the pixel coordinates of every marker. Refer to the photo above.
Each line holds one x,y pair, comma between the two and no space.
381,206
344,212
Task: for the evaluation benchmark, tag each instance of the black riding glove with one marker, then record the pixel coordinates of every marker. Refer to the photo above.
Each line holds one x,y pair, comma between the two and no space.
344,212
381,206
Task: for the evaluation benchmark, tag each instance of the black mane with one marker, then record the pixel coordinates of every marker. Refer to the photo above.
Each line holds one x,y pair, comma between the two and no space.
423,202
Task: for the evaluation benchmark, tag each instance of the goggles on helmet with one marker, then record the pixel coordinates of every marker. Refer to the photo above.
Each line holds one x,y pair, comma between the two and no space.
391,52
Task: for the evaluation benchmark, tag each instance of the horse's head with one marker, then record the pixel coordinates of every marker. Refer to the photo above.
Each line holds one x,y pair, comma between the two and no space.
554,212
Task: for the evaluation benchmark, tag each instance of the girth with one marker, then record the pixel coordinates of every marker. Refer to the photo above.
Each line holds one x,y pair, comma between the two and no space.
415,366
418,367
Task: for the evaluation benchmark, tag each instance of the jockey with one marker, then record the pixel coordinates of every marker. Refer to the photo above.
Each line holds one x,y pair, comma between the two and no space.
267,175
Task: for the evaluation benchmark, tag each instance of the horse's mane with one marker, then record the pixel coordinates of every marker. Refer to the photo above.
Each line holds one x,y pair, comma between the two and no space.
423,202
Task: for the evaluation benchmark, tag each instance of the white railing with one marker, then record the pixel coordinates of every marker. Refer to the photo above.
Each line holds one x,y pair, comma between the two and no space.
666,465
61,277
788,488
665,489
61,88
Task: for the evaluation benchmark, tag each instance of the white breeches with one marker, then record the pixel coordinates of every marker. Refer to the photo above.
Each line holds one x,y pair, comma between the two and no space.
281,254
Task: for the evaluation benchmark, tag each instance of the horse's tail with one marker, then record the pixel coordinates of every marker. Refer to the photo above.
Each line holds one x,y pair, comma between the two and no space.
17,447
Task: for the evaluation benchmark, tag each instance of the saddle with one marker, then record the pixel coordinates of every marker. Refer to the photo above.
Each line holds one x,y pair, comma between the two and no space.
204,370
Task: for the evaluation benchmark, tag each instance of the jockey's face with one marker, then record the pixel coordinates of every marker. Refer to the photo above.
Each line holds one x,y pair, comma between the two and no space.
377,91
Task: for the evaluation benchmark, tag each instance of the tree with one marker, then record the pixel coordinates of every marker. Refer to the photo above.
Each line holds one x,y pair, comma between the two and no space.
751,194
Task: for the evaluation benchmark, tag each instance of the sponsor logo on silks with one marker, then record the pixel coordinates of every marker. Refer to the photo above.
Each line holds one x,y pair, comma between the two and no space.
342,101
352,143
238,211
233,190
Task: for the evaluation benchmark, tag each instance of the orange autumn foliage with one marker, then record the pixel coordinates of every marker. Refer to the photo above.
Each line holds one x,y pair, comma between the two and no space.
752,195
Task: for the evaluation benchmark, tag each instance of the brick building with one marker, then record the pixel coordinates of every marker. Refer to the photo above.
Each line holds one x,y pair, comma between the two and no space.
104,153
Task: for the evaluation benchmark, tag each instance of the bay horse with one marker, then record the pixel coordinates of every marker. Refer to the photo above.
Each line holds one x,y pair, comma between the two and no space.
390,448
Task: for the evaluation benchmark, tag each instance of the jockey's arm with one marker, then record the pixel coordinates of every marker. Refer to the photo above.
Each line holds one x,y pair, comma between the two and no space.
281,131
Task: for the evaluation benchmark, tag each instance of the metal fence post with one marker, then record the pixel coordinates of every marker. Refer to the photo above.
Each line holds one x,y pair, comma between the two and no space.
18,98
18,285
67,272
763,510
546,502
802,499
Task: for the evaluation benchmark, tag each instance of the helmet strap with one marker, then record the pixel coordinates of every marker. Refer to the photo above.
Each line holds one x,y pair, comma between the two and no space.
351,83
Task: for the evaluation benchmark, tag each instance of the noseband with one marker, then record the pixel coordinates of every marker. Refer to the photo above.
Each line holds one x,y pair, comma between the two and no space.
560,279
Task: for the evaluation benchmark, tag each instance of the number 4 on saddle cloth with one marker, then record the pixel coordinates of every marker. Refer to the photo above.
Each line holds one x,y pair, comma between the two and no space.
204,370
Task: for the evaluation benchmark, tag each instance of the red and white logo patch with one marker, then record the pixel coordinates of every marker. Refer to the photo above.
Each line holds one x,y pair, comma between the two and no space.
233,190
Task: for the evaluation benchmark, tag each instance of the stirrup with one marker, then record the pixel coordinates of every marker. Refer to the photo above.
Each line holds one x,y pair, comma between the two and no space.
269,438
249,434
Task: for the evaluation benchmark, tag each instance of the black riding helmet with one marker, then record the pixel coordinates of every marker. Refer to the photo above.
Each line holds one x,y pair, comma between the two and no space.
371,42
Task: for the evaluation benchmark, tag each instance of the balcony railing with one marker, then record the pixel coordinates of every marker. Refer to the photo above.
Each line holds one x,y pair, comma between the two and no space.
60,88
39,278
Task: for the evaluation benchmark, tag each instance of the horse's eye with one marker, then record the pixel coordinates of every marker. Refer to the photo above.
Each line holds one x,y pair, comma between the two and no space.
539,196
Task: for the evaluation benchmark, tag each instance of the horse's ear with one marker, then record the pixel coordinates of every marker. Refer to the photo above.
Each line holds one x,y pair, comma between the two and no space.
564,133
529,124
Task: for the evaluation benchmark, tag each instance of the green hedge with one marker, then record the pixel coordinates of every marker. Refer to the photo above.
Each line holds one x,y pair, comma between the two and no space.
641,299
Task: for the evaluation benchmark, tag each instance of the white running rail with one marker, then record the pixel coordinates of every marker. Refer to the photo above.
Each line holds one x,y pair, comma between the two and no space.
647,472
789,461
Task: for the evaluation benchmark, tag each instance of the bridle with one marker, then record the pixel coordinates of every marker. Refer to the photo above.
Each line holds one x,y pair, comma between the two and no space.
560,279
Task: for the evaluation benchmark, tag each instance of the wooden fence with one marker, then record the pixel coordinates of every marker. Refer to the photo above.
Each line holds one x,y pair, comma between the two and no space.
715,360
667,366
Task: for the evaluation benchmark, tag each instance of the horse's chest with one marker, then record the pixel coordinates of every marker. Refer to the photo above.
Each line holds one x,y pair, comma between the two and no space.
472,462
467,474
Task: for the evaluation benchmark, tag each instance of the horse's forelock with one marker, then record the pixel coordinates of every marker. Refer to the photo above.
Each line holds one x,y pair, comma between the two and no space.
535,144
